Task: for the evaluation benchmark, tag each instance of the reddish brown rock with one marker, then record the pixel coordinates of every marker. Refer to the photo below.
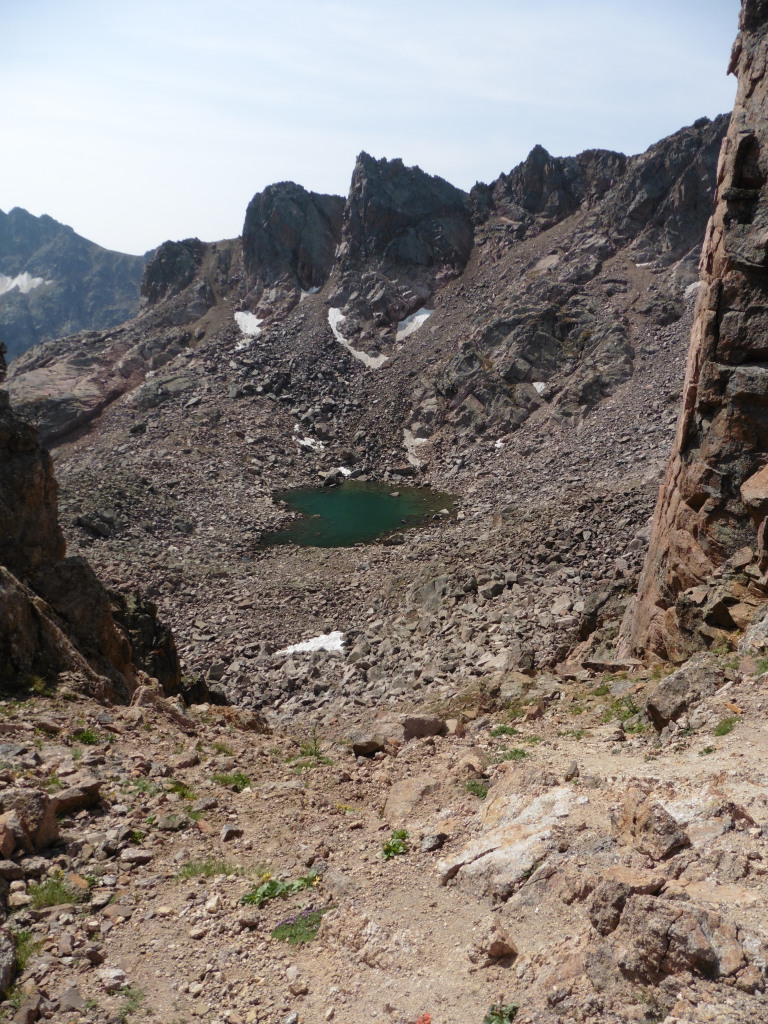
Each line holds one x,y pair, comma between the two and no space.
713,499
648,827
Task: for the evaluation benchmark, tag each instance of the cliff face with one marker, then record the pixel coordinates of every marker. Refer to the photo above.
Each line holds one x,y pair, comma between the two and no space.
704,572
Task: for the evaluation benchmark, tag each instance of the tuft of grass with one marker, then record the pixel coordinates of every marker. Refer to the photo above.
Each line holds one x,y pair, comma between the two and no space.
53,783
516,754
185,792
621,708
396,845
601,690
724,726
477,788
26,946
706,750
504,730
53,892
132,998
89,737
77,752
575,733
500,1014
222,748
206,869
762,665
300,928
234,780
276,888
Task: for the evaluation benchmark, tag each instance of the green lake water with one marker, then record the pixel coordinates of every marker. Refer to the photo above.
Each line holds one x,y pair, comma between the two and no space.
354,513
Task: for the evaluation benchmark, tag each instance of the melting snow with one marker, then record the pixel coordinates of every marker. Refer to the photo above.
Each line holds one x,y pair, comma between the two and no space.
335,317
312,291
412,323
540,386
249,324
310,442
24,282
325,642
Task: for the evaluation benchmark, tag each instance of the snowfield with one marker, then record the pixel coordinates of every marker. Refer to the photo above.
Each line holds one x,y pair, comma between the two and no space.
24,282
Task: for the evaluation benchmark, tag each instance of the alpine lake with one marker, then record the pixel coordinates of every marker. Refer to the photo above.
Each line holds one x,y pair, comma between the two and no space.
356,512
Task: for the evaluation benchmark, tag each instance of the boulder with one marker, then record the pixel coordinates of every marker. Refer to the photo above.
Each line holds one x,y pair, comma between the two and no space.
34,812
648,826
700,677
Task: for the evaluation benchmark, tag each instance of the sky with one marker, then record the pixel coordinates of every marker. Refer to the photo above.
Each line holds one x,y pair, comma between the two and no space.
153,119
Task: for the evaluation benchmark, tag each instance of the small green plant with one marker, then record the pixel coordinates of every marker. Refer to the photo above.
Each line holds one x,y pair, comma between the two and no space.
184,791
299,928
533,740
504,730
575,733
576,709
53,892
706,750
762,665
26,945
53,783
144,786
396,845
206,869
310,754
77,752
477,788
516,754
531,870
222,748
234,780
137,836
89,737
601,690
499,1014
132,999
276,888
621,708
725,726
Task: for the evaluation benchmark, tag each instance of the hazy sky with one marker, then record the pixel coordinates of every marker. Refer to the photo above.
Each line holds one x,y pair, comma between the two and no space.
140,121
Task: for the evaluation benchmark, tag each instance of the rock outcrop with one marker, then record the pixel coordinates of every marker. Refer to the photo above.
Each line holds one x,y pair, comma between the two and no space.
713,502
404,230
290,238
54,282
55,616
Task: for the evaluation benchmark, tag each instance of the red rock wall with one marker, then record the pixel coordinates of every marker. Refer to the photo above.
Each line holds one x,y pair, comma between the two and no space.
702,518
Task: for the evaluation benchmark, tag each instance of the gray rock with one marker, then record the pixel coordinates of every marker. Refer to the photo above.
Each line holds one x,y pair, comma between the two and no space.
698,678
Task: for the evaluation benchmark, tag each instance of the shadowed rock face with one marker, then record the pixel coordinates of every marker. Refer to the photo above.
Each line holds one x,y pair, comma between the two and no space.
400,224
290,237
714,498
172,267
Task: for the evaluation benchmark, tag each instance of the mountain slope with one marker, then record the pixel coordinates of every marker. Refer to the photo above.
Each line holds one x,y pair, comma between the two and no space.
53,282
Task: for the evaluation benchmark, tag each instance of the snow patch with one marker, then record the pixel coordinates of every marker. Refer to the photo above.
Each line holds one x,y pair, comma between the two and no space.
312,291
412,323
335,317
249,324
344,471
692,289
499,445
411,444
24,282
310,442
540,386
325,642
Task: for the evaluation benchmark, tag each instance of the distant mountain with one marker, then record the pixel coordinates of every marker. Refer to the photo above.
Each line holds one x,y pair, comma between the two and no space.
53,282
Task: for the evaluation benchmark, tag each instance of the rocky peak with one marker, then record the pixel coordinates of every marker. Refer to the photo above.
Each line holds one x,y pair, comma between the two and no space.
403,230
290,236
54,282
401,215
171,268
700,583
546,189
